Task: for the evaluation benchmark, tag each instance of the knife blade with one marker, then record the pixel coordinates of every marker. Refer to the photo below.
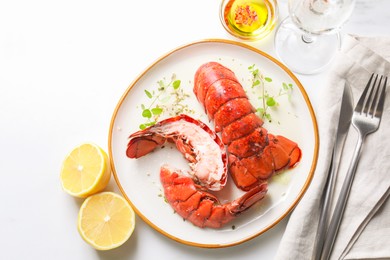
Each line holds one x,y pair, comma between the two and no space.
346,111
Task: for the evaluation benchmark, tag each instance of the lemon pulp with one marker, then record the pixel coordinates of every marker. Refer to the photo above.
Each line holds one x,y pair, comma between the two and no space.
85,170
106,220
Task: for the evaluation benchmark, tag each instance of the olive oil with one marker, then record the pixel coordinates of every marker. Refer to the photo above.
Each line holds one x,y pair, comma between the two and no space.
249,18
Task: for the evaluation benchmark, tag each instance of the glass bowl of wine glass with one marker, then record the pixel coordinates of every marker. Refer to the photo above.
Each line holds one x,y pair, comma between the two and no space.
249,19
307,41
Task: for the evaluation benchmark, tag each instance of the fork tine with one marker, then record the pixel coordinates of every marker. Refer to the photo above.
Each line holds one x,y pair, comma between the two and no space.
379,109
374,101
369,99
360,104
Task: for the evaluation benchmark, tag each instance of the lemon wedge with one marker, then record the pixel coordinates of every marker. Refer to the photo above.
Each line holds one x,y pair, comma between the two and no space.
85,170
106,220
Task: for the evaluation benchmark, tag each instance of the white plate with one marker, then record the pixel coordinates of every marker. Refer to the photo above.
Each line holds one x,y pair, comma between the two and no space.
138,179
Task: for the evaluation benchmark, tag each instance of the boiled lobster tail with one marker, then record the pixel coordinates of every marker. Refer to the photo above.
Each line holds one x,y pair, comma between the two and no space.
254,155
199,144
200,207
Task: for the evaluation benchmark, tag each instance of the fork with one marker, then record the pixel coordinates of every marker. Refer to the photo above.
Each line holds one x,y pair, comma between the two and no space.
365,119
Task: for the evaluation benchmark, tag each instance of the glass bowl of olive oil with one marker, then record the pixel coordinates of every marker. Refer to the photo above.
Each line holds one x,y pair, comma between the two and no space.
249,19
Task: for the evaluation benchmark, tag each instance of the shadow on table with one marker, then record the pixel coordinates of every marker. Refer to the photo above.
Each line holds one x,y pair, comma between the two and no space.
170,249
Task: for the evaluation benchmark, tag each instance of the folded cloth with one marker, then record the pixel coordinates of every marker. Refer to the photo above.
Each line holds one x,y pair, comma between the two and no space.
365,229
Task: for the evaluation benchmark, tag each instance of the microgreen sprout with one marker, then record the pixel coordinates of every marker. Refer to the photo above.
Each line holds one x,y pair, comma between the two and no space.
167,98
267,100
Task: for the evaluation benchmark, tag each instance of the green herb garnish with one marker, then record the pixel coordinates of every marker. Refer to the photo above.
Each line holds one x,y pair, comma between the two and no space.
167,98
267,100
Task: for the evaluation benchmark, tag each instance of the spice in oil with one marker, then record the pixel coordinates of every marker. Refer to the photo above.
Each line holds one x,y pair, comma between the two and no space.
246,16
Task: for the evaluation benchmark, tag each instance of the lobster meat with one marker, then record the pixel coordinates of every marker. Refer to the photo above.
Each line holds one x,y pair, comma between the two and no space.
254,155
195,140
200,207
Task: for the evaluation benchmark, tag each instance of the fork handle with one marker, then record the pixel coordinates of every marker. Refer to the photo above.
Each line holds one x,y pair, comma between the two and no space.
341,202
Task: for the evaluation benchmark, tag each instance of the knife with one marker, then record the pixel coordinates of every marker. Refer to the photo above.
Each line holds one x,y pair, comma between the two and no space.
346,111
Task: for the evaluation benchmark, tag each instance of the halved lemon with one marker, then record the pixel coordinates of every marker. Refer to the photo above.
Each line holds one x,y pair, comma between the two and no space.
106,220
85,170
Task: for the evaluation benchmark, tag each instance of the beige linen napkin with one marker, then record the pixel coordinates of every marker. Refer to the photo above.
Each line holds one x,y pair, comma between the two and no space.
365,229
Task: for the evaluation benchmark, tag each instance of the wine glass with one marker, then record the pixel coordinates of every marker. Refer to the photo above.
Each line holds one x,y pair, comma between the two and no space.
309,38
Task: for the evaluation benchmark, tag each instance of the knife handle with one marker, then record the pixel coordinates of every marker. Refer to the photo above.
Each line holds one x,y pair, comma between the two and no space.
325,205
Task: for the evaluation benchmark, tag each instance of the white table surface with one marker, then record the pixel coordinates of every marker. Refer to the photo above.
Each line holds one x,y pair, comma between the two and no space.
63,67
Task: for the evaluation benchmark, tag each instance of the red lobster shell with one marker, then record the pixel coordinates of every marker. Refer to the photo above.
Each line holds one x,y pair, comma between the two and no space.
254,155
